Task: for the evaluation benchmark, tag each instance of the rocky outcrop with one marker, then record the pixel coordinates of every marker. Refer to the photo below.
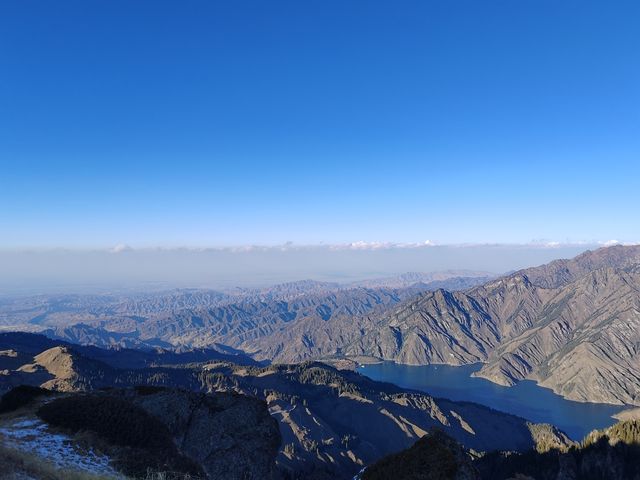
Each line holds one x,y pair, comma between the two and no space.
231,436
435,456
68,371
216,436
547,437
605,454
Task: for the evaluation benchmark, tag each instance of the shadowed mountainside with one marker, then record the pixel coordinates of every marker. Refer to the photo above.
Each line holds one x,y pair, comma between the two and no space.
146,429
332,422
604,454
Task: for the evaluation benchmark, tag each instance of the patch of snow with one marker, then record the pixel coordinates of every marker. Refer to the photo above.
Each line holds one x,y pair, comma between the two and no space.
359,474
33,436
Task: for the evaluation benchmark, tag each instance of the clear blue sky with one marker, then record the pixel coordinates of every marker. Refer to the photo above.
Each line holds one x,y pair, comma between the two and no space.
237,122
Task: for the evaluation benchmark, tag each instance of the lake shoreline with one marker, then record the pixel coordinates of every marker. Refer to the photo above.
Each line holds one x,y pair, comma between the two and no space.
526,399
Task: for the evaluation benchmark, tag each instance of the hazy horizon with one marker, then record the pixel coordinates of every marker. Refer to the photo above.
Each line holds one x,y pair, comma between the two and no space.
33,271
233,144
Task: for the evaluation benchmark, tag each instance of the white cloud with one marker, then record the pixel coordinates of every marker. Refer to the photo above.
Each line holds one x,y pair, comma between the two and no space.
609,243
121,247
362,245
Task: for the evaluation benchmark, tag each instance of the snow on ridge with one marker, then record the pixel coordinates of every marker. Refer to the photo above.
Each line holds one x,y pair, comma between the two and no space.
31,435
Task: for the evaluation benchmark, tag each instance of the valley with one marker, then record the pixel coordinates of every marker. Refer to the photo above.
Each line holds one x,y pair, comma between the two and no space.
525,399
535,359
571,325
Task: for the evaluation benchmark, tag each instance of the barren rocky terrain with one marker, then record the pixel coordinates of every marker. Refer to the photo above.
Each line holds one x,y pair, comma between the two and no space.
332,422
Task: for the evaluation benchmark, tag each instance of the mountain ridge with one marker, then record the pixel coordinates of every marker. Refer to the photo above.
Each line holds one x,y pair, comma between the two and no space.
561,324
571,325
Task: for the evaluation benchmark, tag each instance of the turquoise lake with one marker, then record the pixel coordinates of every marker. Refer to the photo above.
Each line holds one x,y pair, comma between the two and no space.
526,399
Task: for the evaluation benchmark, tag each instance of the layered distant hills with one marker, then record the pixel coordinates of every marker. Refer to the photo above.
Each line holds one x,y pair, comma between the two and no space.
263,322
572,325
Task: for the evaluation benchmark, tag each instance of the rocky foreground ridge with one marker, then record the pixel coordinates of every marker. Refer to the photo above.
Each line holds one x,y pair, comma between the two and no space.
331,422
135,432
604,454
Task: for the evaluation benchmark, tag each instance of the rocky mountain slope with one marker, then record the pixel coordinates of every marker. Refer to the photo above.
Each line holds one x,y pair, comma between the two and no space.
573,325
66,309
287,323
36,359
332,422
606,454
232,436
141,430
449,279
434,457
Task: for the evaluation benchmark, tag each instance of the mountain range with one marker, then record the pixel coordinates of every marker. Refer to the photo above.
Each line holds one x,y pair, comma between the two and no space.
280,360
570,325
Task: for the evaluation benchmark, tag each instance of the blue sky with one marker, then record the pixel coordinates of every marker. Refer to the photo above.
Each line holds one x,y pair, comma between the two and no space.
196,123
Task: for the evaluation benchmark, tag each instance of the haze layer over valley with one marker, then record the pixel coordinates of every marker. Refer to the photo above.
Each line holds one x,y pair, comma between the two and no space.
122,269
570,325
